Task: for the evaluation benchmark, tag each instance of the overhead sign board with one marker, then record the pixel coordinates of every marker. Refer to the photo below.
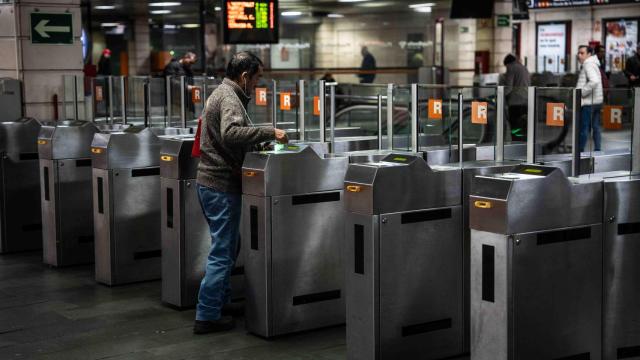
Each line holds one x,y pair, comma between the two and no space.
250,22
51,28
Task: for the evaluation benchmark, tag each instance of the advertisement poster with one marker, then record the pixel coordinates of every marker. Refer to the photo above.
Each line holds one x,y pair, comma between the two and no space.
620,41
551,47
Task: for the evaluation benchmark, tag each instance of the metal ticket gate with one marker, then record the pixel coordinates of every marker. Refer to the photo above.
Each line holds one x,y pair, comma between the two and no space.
536,265
621,329
186,240
126,206
65,190
292,236
20,215
403,260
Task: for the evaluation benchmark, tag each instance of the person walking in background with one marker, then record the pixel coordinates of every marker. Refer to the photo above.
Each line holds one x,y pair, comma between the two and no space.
590,84
226,136
632,68
104,64
516,81
182,66
368,64
601,54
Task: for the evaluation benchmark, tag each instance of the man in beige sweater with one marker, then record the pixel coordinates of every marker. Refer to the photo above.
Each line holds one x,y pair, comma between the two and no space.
227,135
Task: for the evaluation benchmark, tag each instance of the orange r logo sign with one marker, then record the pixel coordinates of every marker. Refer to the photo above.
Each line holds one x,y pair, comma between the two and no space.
612,117
435,109
555,114
285,101
261,96
479,112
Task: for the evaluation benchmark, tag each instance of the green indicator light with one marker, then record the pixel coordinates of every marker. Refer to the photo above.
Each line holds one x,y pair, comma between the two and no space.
533,171
293,148
400,159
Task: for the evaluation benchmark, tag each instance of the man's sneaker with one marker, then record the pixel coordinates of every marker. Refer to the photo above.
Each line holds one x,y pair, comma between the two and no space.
233,309
225,323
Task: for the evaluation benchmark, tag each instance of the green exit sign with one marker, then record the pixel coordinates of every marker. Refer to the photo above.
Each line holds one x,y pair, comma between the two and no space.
503,20
51,28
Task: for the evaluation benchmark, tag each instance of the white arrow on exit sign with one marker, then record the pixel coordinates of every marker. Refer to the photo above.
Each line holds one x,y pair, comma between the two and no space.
42,29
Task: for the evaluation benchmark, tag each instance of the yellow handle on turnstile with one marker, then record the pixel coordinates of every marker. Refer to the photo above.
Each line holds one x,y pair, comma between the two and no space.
482,204
250,173
42,142
354,188
166,158
96,150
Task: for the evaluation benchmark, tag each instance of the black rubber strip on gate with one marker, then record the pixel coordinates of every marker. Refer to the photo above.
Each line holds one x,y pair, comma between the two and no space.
83,163
427,215
488,273
628,352
32,227
426,327
28,156
358,249
141,255
583,356
317,297
553,237
45,182
253,220
629,228
315,198
86,239
145,172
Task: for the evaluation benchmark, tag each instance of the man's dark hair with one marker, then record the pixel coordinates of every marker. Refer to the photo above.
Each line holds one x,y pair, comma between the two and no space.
589,49
189,54
509,59
241,62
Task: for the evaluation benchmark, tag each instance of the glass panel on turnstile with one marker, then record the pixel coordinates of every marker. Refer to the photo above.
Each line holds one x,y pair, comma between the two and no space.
287,107
401,118
617,116
135,90
434,120
356,113
100,99
260,107
479,120
178,94
117,104
554,114
515,120
312,110
195,99
157,102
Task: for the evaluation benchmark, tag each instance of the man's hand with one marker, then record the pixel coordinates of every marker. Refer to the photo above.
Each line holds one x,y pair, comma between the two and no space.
633,78
281,136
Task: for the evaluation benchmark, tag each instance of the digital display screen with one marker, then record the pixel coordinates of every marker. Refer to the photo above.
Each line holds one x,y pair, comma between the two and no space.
547,4
251,22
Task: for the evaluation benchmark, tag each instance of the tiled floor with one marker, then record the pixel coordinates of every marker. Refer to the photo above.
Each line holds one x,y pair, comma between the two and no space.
63,314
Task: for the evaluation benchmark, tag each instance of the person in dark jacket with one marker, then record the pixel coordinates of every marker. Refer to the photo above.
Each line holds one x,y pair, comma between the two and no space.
182,66
226,136
632,68
368,64
104,64
516,82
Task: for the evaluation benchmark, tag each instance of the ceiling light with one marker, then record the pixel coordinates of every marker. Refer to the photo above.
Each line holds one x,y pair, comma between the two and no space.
291,13
169,26
217,8
160,12
376,4
191,26
104,7
351,0
167,3
335,16
426,9
422,5
109,24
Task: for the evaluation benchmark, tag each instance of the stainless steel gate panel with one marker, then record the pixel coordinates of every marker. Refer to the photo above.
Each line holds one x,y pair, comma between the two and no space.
256,240
307,261
621,332
608,162
20,214
552,302
185,242
102,220
362,253
536,267
67,213
421,284
134,218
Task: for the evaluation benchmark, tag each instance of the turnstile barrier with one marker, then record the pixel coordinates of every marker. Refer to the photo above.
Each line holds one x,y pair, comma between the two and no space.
292,236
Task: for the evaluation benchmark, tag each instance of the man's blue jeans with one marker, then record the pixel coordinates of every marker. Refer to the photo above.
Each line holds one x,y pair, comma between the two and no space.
222,211
590,118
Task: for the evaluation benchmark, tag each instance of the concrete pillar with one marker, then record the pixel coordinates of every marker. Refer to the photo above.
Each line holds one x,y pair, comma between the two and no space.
140,47
502,36
40,67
